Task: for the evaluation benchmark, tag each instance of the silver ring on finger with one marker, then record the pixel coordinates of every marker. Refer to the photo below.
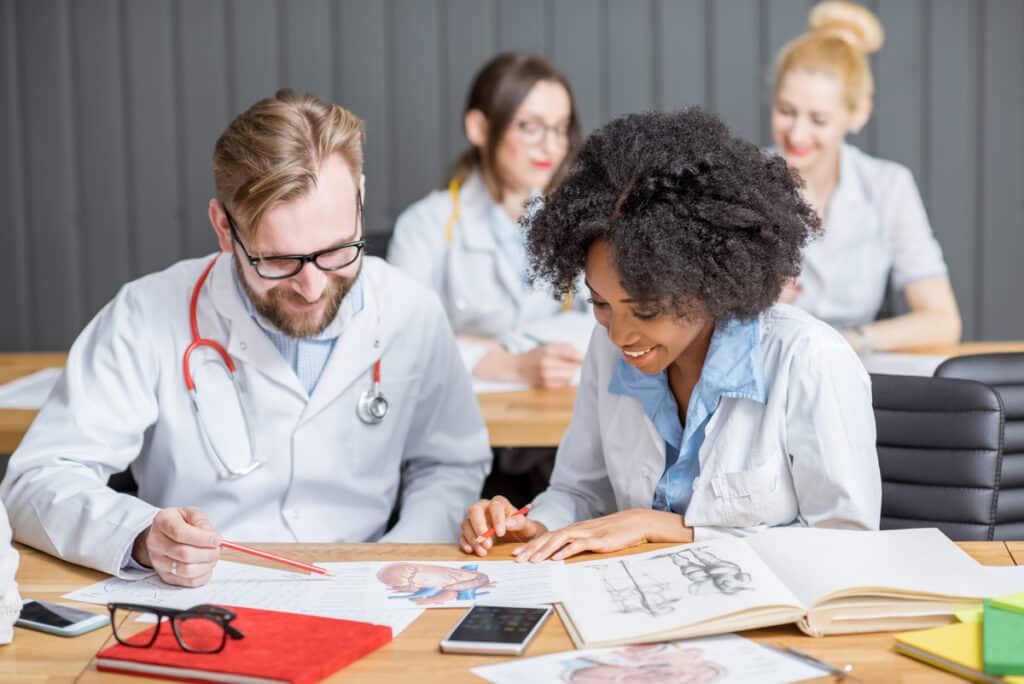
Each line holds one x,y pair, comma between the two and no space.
174,567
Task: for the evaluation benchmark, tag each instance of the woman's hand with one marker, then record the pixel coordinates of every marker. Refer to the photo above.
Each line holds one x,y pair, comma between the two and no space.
607,533
548,365
497,513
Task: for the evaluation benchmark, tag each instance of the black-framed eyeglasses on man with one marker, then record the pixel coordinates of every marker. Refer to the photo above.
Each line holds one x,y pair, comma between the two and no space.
285,266
199,629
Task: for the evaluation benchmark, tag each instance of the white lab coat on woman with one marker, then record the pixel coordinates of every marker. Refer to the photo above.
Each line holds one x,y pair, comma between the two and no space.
328,477
481,273
807,456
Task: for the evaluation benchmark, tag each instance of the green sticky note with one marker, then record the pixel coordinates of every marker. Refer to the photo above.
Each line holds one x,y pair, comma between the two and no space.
968,615
1002,640
1014,602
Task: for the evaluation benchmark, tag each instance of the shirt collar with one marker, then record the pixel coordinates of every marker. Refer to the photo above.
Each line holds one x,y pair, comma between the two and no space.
732,368
350,306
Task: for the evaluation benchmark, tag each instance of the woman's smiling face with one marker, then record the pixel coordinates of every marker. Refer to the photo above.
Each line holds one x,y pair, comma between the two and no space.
650,335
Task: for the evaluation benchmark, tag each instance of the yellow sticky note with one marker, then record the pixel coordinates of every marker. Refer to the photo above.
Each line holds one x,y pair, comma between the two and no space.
968,615
1014,602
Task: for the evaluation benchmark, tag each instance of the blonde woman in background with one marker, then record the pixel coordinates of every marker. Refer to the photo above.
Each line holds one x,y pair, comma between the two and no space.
465,243
873,218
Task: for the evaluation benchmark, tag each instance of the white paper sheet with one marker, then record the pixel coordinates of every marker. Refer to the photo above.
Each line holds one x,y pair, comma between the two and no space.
670,588
443,584
30,391
902,364
727,659
816,562
249,586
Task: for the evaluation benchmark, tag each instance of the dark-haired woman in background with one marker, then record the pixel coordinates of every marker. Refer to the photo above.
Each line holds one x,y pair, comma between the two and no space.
704,408
465,242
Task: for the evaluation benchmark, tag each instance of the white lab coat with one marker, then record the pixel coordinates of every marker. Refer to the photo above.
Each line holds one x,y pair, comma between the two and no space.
328,477
481,281
10,599
875,231
807,456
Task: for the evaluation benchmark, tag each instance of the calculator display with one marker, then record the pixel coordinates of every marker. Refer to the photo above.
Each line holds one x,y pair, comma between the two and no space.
497,624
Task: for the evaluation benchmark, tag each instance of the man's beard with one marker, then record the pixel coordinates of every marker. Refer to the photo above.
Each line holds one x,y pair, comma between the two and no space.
272,305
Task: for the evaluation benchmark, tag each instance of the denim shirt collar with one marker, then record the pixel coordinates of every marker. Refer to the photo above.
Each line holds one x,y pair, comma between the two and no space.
732,368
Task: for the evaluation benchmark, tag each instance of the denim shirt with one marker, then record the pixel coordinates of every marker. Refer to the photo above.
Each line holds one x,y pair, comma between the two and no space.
307,356
732,368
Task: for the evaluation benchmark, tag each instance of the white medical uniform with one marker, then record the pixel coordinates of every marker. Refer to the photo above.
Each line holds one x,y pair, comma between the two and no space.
481,275
10,599
327,477
875,230
805,456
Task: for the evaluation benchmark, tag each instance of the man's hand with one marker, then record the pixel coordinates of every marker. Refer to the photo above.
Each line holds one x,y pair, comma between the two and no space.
181,545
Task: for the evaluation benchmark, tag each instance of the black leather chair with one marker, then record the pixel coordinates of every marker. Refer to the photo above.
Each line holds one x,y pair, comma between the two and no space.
940,448
1005,374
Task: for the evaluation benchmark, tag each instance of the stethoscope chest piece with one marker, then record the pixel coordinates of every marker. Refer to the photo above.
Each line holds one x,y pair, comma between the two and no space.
372,406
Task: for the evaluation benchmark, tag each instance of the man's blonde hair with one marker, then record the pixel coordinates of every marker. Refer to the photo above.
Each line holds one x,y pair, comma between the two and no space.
272,152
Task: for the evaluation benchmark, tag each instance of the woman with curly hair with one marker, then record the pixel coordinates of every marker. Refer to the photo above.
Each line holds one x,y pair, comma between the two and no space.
704,407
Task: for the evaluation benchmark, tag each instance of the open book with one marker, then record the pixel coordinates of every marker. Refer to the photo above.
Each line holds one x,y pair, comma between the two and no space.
826,581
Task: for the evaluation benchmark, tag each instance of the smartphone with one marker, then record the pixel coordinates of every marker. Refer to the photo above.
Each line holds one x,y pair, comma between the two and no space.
496,630
57,619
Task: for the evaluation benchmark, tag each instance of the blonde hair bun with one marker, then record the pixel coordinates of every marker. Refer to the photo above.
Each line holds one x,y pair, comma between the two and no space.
853,23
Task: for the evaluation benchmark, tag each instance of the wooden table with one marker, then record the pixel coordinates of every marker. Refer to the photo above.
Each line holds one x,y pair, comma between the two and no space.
532,418
39,658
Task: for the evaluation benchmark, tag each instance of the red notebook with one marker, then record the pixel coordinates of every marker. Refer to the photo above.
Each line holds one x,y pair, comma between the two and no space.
278,647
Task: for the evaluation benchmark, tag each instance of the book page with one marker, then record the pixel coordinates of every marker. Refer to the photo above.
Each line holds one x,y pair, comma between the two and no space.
817,562
644,594
725,659
454,584
250,586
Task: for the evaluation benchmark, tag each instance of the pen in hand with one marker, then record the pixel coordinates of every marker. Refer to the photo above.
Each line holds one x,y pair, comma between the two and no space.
490,531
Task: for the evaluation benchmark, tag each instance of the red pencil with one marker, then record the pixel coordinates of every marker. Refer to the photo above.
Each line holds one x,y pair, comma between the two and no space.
274,557
490,532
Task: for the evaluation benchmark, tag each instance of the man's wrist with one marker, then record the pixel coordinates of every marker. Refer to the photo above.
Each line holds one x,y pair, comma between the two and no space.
140,554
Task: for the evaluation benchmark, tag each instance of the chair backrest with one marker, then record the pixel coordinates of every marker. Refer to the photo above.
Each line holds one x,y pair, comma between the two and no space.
1005,374
940,453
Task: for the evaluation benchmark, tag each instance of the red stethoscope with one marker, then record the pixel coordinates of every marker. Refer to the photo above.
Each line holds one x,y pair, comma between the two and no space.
371,408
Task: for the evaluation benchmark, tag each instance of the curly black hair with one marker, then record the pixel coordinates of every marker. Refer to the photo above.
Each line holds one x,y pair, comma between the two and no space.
699,221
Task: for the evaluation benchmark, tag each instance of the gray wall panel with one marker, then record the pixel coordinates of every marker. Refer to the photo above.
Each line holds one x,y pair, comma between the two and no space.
306,52
204,109
1002,234
737,90
254,42
16,323
106,171
49,168
154,193
580,27
631,67
682,40
523,25
416,131
952,143
99,119
467,31
363,76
